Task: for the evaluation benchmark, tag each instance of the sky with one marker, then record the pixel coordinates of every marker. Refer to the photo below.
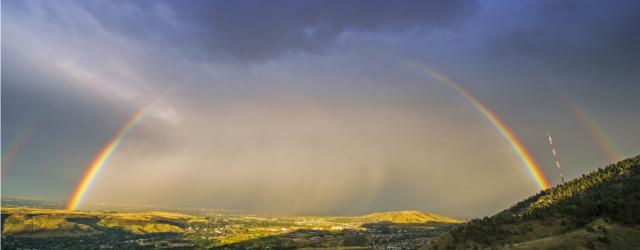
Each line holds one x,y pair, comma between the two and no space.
313,107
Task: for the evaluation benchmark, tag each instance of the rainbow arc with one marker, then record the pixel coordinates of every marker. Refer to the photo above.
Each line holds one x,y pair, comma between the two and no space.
508,135
103,157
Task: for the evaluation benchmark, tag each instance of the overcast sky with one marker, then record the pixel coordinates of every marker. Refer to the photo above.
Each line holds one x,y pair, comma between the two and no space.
310,107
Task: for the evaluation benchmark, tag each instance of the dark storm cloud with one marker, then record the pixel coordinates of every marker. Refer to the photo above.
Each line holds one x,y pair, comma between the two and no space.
582,37
258,30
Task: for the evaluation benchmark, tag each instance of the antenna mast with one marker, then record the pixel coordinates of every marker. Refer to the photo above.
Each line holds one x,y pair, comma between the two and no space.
555,156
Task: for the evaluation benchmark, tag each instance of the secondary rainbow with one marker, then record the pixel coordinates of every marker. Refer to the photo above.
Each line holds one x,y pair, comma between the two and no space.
15,147
503,129
596,133
102,158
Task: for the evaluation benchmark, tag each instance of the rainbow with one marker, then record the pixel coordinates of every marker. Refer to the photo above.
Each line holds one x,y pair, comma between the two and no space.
102,157
507,134
16,145
596,133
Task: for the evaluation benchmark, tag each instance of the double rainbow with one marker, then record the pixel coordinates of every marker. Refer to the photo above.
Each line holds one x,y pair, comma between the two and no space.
103,157
503,129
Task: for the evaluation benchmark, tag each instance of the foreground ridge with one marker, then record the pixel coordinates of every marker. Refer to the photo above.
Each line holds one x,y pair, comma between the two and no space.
599,209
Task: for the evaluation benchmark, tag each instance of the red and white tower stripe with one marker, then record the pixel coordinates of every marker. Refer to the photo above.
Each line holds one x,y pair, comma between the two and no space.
555,156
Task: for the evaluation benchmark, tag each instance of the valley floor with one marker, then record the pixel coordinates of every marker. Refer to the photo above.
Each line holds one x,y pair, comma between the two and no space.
60,229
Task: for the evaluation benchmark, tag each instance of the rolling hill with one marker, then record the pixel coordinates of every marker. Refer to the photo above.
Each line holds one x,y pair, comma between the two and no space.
598,210
407,217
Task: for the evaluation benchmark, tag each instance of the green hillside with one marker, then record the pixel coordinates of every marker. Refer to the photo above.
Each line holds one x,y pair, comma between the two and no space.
597,210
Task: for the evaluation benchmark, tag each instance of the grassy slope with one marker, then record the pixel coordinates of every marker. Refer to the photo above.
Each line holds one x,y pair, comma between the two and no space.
597,235
564,216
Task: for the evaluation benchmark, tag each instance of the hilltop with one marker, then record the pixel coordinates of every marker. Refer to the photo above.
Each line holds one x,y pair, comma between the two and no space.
407,217
598,210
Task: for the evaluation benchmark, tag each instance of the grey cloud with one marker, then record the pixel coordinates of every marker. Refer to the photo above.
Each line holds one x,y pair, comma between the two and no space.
259,30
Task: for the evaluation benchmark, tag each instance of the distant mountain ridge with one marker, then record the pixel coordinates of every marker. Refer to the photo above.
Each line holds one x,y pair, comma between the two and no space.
598,210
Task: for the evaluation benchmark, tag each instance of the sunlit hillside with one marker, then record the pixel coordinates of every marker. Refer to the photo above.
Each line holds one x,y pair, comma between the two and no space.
408,217
27,222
